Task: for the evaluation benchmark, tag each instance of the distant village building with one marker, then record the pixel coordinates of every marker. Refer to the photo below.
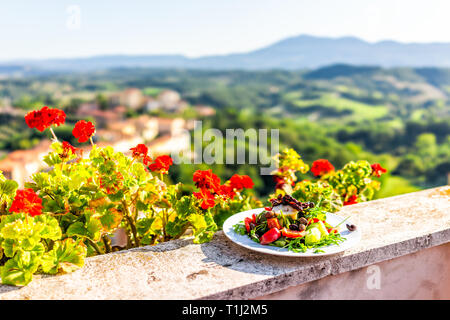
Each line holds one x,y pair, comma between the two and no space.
167,100
152,104
8,110
101,117
205,111
19,165
131,98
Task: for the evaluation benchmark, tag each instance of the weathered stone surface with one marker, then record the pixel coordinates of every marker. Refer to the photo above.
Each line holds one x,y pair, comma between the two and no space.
422,275
391,228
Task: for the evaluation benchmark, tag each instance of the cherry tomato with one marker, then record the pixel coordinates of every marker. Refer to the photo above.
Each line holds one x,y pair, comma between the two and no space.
273,223
247,222
270,236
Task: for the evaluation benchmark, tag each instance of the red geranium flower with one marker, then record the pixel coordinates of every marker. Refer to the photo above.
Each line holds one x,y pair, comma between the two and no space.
226,191
83,130
44,118
146,160
67,146
140,150
241,182
206,197
351,200
161,164
279,182
321,166
377,170
206,179
27,201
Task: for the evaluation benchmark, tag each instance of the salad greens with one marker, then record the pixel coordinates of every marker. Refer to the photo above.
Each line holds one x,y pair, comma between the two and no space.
303,227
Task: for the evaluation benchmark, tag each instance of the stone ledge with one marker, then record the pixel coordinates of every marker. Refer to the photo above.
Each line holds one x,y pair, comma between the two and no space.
391,228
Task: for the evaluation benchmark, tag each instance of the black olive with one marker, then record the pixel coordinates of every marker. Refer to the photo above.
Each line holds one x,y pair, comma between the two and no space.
269,215
293,227
351,227
302,220
301,227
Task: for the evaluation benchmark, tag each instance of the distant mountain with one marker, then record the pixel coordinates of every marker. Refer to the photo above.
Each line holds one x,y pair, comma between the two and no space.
301,52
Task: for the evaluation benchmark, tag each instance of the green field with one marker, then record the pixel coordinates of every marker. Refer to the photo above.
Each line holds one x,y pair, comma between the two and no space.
359,110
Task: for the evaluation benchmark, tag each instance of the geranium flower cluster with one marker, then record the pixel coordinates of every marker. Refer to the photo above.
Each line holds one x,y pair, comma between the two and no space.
352,184
321,167
45,118
83,130
160,164
212,191
73,209
289,163
26,201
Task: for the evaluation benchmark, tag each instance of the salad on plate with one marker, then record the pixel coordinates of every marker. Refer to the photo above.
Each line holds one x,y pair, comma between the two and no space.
292,224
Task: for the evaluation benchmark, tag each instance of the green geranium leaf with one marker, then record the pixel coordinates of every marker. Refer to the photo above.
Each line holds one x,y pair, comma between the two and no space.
19,270
51,228
186,206
204,227
144,225
176,227
12,275
111,219
21,228
94,227
66,256
77,229
197,221
138,170
8,188
91,229
116,196
52,158
10,247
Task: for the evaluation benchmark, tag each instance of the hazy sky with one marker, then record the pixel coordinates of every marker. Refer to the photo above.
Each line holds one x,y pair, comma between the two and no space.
60,28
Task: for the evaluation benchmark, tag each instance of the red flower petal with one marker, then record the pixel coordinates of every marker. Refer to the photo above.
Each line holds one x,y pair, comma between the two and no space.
377,170
206,197
140,150
44,118
321,167
27,201
241,182
351,200
161,164
206,179
83,130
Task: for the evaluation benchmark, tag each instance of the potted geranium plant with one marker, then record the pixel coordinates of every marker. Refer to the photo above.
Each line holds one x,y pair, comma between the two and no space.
72,210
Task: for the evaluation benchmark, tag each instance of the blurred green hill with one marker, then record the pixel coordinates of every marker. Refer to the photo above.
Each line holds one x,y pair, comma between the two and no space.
399,117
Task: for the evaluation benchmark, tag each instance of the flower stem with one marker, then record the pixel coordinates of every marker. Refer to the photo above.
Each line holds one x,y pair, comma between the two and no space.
95,246
131,223
53,134
107,243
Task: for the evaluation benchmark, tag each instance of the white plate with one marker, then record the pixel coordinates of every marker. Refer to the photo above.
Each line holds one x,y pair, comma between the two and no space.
351,238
